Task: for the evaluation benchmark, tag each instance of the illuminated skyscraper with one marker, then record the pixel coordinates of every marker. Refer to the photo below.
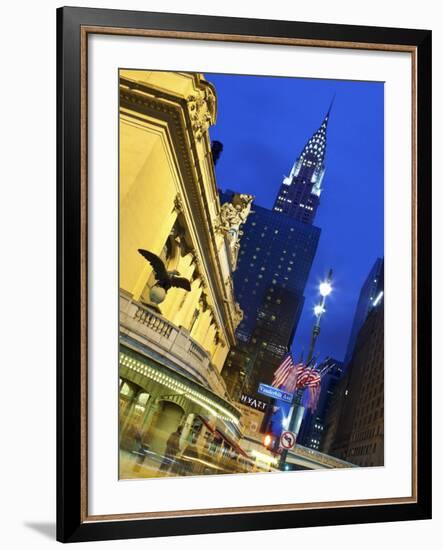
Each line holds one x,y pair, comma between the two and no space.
299,194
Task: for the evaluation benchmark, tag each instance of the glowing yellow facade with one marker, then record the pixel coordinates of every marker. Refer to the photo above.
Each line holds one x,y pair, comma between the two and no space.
169,204
173,343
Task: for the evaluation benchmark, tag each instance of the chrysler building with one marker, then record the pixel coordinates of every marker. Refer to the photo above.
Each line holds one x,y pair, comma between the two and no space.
299,194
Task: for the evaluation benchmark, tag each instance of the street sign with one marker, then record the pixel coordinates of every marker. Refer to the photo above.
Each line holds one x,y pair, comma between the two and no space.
287,440
270,391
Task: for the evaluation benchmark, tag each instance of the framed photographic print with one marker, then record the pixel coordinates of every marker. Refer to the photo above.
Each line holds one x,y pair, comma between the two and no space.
244,237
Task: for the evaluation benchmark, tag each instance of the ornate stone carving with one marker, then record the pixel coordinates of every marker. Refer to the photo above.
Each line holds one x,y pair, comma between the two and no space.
232,216
238,314
201,111
178,204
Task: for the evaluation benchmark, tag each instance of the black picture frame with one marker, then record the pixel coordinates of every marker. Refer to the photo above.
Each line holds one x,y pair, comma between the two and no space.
72,523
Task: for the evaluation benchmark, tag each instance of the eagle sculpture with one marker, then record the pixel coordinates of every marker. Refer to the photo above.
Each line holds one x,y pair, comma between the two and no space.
165,279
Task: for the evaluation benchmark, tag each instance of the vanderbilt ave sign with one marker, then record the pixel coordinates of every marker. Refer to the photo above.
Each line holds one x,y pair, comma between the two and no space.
253,402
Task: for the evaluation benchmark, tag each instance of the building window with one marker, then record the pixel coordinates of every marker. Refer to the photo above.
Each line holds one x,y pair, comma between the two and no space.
143,399
126,389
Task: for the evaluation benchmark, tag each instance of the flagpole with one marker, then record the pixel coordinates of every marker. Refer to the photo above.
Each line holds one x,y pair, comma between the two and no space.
325,289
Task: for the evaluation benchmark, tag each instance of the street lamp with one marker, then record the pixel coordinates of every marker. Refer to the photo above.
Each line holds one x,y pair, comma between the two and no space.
296,414
325,289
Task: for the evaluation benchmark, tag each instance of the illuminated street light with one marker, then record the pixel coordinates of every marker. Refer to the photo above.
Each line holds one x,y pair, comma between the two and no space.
325,288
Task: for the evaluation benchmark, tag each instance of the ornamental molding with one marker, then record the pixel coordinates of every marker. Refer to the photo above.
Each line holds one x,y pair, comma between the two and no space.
201,107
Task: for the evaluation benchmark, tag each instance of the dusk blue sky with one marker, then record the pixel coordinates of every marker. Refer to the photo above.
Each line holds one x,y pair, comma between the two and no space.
264,123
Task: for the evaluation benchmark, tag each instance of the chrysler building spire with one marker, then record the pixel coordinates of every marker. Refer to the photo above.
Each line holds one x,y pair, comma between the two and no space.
299,194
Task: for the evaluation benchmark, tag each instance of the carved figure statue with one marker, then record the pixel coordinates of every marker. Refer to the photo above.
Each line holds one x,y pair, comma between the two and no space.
232,216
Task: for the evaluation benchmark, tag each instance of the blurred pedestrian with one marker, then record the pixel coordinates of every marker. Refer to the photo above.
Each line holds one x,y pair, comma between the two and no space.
172,449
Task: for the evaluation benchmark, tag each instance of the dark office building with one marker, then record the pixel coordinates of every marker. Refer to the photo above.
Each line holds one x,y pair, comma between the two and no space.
333,416
371,291
313,428
355,422
275,259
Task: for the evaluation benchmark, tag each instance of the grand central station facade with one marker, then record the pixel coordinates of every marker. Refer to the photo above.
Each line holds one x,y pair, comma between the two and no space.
174,339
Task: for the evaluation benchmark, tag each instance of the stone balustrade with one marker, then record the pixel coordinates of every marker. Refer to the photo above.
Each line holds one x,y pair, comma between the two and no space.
174,343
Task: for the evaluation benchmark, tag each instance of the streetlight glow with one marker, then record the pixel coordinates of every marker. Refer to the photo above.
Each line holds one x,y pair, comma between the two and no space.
325,288
319,310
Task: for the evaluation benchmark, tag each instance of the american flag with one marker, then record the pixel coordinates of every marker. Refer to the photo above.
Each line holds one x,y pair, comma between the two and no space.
314,394
313,383
283,371
292,377
309,378
288,374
